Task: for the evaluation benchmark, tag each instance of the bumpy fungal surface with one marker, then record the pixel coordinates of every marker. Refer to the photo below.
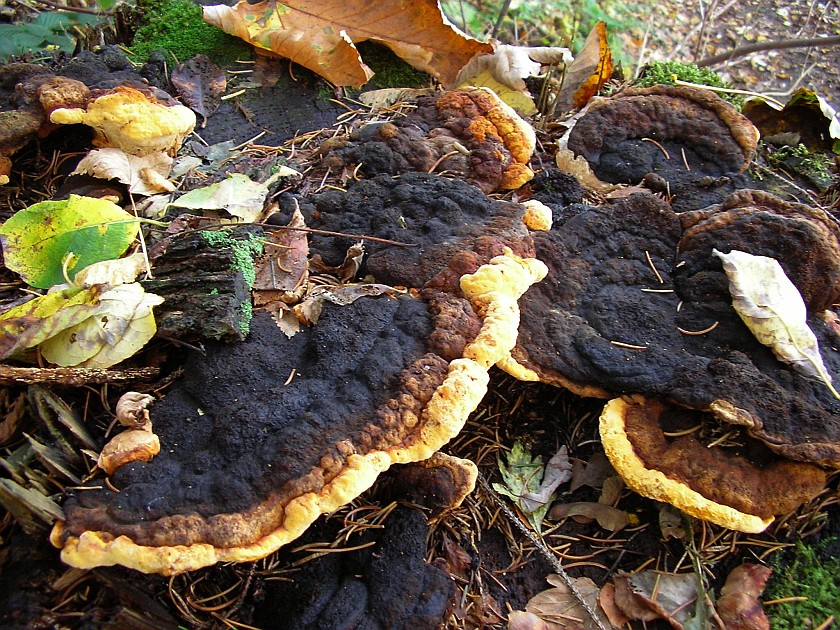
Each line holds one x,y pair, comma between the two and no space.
469,132
449,227
620,313
260,438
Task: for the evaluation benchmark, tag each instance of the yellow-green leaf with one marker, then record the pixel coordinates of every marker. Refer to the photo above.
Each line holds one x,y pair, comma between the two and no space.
29,324
37,240
772,308
121,325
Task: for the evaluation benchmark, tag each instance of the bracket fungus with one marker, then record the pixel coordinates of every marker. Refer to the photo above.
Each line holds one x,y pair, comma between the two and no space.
126,118
741,490
449,229
326,411
685,141
621,313
469,132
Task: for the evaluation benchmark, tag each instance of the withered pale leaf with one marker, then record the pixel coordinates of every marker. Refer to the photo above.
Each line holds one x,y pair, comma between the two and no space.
144,175
560,609
610,518
772,308
505,70
309,310
112,272
322,37
237,194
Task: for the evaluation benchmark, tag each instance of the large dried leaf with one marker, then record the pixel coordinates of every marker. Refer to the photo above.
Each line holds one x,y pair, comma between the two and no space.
560,609
282,272
738,605
772,308
238,195
144,175
650,595
608,517
50,237
588,73
321,36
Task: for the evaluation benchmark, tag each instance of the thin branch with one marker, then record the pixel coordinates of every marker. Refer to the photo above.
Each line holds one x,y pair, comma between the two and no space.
779,44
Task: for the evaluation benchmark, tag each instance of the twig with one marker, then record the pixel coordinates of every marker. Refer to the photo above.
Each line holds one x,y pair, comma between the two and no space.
60,7
502,13
543,548
360,237
778,44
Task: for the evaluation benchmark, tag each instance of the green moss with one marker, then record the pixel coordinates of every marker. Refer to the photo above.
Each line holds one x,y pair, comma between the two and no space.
803,574
177,27
391,71
245,248
667,73
816,166
246,311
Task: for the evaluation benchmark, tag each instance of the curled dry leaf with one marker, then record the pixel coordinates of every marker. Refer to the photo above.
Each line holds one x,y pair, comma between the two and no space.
522,620
504,71
144,175
112,272
131,409
738,605
588,73
309,310
650,595
772,308
282,272
323,40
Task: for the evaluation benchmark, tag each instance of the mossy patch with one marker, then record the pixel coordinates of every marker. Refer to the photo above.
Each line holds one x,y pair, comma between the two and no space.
244,249
177,27
668,72
802,572
391,71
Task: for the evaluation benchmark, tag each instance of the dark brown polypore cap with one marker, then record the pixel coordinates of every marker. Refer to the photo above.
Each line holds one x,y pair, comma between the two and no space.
805,241
618,135
602,323
451,229
260,438
469,132
741,488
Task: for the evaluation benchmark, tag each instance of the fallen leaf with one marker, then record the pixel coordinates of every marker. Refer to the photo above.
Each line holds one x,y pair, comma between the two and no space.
282,272
522,620
504,71
738,605
592,473
121,325
309,310
15,412
37,240
322,39
560,609
671,522
588,73
772,308
607,600
386,97
33,322
531,485
238,195
610,518
144,175
348,268
200,83
457,561
650,595
611,490
112,272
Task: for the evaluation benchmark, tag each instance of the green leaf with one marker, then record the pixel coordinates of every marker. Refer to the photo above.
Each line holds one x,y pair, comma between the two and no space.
37,240
30,324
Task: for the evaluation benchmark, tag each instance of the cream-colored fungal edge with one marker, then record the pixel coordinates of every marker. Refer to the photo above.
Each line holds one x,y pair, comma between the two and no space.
655,485
537,216
497,286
